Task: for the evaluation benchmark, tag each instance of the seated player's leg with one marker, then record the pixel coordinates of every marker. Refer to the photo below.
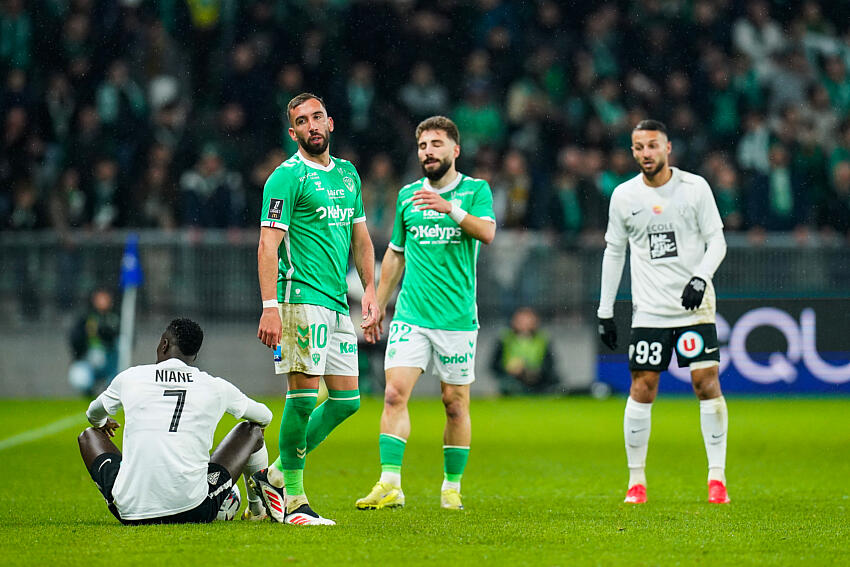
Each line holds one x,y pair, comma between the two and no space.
243,452
454,356
395,429
650,351
103,460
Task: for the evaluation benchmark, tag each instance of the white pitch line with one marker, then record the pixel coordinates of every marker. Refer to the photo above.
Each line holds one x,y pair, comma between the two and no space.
41,432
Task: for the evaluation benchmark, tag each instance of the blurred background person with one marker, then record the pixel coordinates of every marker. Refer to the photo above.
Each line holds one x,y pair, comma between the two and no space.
94,345
523,362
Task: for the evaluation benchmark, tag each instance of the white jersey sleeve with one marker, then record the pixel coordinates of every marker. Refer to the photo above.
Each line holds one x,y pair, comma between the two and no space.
613,259
241,406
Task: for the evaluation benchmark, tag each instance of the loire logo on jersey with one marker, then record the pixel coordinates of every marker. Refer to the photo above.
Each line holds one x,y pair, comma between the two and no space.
436,232
690,344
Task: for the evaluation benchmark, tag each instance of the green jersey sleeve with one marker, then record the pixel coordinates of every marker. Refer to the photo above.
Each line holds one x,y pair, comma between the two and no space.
279,196
359,211
399,233
482,203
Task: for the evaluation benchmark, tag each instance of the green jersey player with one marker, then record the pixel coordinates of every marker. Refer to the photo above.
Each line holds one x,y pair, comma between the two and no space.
312,217
441,221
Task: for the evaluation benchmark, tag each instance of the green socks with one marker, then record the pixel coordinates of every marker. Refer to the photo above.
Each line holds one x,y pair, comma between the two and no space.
293,438
340,405
454,461
392,452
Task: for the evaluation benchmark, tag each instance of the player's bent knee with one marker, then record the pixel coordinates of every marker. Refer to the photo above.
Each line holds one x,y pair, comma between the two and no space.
393,398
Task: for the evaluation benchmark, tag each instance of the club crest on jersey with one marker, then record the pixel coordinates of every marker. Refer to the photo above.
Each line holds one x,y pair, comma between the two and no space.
690,344
349,183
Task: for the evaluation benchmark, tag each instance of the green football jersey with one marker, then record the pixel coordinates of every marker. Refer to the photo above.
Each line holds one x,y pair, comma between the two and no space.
317,207
438,289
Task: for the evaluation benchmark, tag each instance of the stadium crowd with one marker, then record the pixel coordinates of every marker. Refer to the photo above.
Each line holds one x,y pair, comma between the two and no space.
171,113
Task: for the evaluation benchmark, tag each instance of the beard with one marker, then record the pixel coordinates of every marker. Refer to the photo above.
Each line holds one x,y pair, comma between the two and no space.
315,149
436,174
653,170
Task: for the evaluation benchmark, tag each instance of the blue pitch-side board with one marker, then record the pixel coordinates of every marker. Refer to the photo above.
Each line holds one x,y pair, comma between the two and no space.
767,346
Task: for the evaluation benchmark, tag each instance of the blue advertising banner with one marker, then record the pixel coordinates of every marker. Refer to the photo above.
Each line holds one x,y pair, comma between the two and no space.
767,346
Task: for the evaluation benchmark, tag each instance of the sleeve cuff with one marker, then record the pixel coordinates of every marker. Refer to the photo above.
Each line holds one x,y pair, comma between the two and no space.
491,219
274,224
358,219
395,247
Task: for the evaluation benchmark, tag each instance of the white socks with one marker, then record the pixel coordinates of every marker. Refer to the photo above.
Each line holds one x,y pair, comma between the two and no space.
450,485
636,428
391,478
256,462
714,422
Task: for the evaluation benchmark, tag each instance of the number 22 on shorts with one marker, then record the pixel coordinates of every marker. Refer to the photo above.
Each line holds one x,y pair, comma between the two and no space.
399,332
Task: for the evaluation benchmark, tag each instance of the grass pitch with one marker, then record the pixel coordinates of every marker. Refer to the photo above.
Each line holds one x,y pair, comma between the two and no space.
544,486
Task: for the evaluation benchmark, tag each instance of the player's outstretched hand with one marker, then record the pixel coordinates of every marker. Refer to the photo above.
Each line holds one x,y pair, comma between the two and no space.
270,328
110,426
423,199
608,333
692,295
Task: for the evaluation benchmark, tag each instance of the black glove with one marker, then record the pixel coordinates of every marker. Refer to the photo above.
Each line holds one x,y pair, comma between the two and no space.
608,333
692,295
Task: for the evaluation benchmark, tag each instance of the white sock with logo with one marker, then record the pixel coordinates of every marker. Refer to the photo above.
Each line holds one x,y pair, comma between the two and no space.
256,462
636,428
714,422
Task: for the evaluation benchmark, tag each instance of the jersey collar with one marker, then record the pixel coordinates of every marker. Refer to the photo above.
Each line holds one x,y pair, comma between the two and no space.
673,176
168,363
447,188
313,164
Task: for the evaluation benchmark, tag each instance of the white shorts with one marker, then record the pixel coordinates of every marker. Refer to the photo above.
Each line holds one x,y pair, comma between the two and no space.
451,352
315,340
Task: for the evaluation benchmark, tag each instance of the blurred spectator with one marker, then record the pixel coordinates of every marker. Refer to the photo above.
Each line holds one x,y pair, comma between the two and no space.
108,195
94,345
422,96
837,84
290,82
727,194
757,35
15,36
512,191
154,199
380,190
776,200
522,361
479,121
837,212
620,169
210,195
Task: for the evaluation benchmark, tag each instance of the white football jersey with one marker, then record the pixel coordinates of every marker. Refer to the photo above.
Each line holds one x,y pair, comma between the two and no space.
171,411
667,229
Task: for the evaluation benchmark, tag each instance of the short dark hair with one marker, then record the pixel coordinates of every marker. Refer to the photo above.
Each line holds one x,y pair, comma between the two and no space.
298,100
187,334
439,123
651,125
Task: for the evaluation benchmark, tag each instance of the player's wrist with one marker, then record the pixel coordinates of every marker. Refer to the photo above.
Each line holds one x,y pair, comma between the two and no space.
457,214
270,304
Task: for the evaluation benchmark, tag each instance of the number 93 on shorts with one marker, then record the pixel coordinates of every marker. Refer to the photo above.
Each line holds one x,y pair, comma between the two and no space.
652,349
315,340
451,353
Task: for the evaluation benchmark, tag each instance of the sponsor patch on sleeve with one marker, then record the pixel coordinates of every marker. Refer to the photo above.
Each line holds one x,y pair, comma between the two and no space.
275,208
